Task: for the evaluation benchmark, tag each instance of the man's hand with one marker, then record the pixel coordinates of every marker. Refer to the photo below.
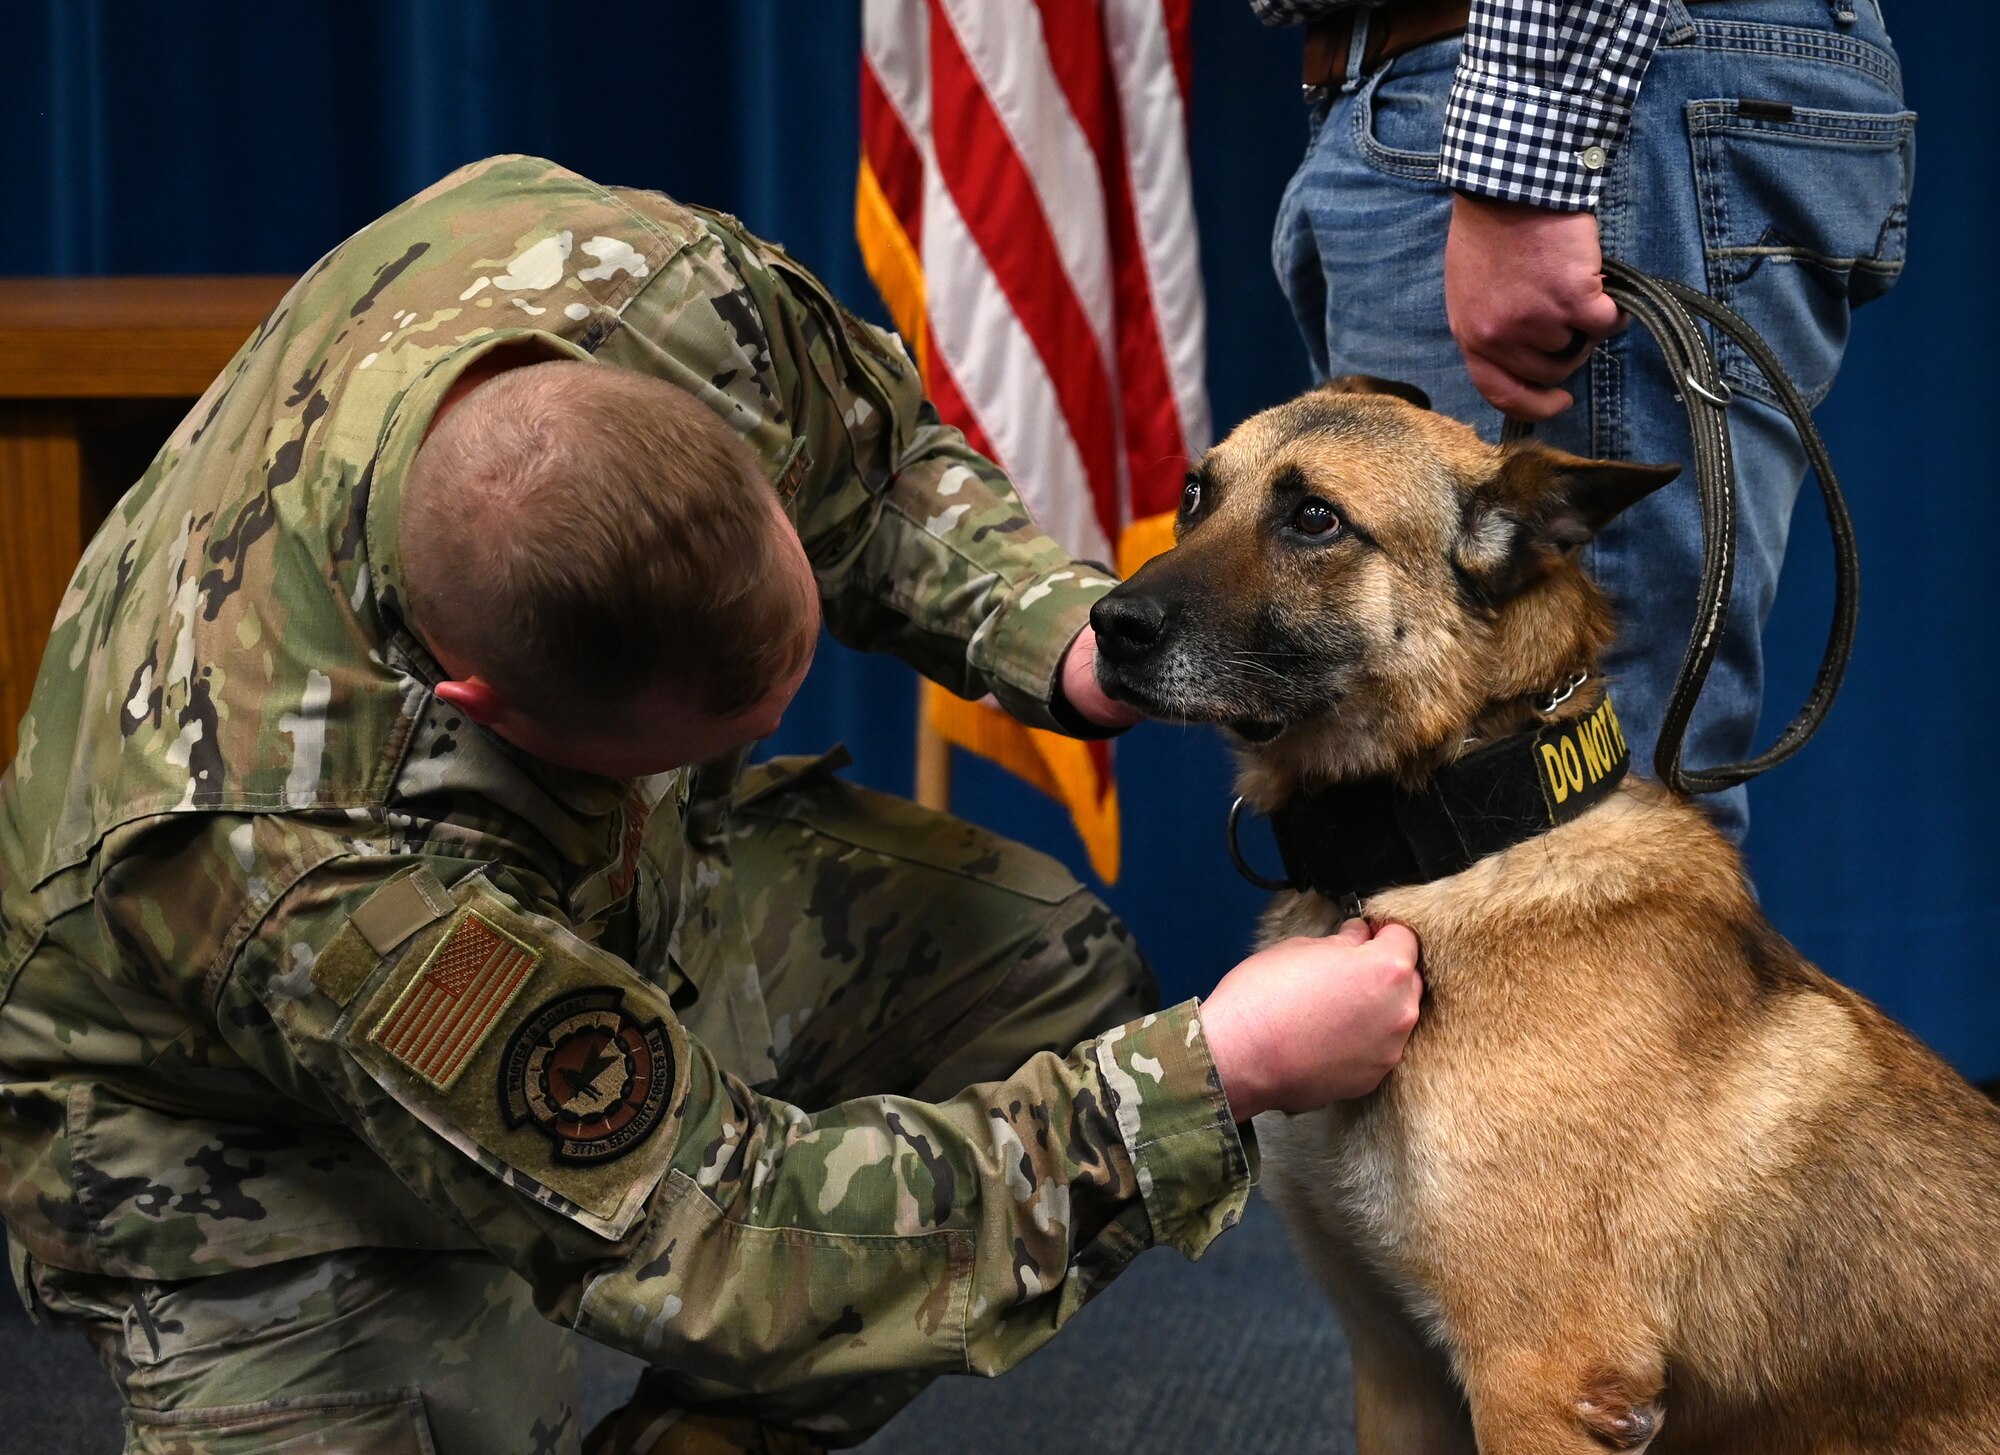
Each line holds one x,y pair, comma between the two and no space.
1524,293
1080,689
1311,1021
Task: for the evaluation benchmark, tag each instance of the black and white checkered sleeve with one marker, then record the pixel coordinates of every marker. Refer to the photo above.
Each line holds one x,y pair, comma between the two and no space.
1543,95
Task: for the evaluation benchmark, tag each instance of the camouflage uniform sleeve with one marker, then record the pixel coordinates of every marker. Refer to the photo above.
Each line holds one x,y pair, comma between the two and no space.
541,1092
922,545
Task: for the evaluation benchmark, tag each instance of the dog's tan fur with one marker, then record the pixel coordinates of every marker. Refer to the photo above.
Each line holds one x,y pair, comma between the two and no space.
1645,1179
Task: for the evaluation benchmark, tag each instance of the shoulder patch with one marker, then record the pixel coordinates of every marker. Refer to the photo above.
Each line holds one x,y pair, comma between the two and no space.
438,1023
549,1062
588,1074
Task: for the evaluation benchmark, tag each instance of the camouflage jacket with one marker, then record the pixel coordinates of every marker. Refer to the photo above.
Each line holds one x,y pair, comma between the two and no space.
286,947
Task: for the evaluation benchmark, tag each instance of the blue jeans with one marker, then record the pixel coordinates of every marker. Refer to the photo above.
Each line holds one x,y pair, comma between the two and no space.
1792,220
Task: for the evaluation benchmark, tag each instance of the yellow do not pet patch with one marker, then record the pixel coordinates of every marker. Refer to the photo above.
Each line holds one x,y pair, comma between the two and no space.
446,1012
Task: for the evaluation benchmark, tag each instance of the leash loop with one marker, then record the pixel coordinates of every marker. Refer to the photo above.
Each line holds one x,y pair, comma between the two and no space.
1673,314
1242,864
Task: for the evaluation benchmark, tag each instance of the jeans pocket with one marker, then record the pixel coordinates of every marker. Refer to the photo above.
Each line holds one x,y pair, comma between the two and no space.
1399,111
1803,216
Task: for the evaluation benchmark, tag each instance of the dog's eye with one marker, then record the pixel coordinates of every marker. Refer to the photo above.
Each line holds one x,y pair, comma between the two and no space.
1315,518
1190,497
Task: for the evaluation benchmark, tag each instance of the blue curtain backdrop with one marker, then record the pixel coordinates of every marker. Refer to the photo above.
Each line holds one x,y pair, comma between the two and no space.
182,137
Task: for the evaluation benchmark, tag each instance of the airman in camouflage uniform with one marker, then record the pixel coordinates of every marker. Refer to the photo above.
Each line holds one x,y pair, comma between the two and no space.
349,1057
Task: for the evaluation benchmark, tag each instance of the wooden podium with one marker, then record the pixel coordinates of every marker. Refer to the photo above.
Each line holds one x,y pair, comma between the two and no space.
94,375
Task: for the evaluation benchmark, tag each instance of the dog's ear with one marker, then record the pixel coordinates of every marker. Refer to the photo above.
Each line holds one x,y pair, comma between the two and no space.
1539,504
1565,499
1369,384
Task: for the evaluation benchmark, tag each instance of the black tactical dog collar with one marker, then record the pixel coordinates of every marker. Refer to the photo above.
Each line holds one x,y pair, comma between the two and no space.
1352,840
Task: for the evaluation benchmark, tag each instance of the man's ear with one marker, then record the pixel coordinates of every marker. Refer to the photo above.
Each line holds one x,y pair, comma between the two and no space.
1369,384
1539,504
477,698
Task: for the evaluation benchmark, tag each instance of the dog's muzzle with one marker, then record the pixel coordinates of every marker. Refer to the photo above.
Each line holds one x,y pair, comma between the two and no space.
1134,630
1129,626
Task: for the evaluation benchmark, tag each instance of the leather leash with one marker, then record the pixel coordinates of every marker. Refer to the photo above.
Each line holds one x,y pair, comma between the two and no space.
1673,314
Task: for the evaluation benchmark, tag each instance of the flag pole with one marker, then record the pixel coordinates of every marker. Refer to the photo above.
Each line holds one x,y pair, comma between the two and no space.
933,758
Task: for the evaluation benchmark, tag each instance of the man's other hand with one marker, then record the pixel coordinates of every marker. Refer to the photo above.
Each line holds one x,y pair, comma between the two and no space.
1312,1021
1079,686
1524,293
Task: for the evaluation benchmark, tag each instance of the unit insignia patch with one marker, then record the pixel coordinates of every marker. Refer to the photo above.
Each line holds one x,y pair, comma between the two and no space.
590,1076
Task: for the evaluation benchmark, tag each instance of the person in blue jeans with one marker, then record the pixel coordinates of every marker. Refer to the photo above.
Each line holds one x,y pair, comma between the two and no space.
1448,222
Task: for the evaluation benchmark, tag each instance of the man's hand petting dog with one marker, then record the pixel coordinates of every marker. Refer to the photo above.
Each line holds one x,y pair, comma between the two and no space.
1524,293
1310,1021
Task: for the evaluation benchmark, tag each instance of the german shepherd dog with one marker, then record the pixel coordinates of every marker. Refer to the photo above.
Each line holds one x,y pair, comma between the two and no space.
1644,1179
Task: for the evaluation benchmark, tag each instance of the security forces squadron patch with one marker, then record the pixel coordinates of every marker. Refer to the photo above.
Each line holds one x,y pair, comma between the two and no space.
591,1076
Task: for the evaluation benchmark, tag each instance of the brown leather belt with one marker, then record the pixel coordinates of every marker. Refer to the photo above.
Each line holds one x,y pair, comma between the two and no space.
1392,29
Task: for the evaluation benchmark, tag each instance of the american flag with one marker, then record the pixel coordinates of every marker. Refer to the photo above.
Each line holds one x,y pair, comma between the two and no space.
1024,206
437,1023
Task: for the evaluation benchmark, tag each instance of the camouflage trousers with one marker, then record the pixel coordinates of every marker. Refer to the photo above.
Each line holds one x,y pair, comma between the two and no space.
899,951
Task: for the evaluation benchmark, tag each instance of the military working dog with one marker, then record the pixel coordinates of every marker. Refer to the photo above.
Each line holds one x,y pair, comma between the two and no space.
1644,1178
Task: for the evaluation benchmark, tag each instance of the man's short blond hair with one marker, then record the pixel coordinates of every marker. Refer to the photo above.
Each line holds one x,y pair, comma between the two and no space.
580,534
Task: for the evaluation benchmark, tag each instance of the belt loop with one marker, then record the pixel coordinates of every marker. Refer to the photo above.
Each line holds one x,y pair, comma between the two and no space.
1357,46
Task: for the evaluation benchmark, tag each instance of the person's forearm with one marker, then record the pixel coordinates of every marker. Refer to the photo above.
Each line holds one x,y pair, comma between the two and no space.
921,544
956,578
957,1236
729,1235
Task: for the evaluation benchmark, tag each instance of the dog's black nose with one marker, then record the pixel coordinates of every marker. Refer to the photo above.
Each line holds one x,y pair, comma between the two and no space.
1127,626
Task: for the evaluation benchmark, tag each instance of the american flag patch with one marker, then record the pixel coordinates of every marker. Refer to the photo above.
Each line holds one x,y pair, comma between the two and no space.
439,1020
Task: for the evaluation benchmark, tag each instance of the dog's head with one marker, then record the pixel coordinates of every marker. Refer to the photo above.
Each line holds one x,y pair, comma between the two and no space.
1358,583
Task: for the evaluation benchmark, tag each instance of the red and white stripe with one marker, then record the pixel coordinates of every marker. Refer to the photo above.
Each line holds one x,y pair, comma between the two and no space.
1034,152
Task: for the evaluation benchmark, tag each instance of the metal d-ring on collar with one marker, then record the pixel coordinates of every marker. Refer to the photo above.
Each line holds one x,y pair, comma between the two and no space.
1242,864
1559,695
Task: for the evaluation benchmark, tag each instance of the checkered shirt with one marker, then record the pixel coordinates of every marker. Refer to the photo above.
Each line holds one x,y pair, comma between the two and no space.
1543,95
